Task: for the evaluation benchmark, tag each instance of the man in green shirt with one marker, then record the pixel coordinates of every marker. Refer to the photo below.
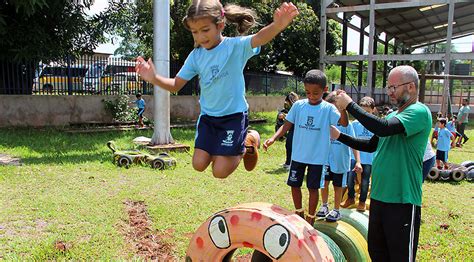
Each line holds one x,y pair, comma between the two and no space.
463,119
399,143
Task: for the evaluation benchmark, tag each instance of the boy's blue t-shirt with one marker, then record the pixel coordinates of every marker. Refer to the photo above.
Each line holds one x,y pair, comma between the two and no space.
140,103
339,153
444,139
360,131
311,140
451,126
221,77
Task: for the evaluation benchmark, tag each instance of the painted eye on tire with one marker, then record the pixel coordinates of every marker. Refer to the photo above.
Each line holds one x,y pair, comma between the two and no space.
219,232
276,240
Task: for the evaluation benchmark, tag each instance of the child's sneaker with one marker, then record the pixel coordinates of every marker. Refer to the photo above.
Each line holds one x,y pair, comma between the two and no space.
333,216
323,211
285,166
252,143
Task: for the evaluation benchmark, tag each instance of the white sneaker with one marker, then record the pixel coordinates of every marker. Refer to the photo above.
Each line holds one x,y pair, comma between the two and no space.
333,216
323,211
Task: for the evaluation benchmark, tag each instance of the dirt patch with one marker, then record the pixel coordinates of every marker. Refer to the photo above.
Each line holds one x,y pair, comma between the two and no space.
149,244
9,160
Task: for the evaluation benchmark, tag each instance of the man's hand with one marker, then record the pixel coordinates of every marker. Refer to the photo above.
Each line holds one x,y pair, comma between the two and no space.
357,168
335,133
284,15
342,100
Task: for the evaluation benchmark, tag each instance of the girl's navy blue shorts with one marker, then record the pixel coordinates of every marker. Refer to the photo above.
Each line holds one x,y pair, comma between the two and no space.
222,136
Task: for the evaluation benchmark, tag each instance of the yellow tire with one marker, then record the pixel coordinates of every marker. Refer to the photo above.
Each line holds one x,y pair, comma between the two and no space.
356,219
349,240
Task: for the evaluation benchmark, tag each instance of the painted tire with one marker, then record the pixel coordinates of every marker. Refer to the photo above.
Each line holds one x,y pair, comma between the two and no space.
445,175
433,174
273,231
356,219
458,175
158,164
470,175
467,163
124,161
335,250
351,242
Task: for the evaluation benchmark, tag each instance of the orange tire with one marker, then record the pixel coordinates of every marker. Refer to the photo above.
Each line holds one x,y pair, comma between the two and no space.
270,229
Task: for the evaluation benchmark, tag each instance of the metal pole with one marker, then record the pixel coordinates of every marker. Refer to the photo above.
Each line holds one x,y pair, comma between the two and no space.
161,51
322,36
370,65
447,59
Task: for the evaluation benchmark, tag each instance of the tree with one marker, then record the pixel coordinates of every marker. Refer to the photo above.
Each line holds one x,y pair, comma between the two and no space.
46,30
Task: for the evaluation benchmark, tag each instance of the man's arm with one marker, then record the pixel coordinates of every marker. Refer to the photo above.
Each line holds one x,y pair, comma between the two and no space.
379,126
366,145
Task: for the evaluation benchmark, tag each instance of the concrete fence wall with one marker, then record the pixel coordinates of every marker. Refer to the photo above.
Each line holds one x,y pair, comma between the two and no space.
38,111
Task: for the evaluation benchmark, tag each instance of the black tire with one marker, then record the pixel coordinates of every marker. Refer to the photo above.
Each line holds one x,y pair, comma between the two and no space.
458,175
433,174
124,161
158,164
470,175
445,175
467,164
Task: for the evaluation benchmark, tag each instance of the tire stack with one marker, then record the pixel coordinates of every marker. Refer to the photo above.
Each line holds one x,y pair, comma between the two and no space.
347,236
457,173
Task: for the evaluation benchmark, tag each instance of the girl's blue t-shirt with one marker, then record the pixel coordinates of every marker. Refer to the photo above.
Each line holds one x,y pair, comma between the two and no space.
221,76
451,126
360,131
311,140
339,153
140,103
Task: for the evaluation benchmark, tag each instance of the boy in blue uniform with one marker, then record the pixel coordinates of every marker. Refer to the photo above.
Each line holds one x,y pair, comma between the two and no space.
339,160
140,103
311,118
445,139
368,104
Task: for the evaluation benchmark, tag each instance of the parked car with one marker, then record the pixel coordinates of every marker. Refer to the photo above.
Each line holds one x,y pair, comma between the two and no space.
60,78
125,83
100,74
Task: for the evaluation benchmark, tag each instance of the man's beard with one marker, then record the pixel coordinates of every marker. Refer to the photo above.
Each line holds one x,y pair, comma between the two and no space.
403,99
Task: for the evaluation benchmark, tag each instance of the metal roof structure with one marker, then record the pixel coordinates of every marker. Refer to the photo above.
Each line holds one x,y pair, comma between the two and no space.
412,23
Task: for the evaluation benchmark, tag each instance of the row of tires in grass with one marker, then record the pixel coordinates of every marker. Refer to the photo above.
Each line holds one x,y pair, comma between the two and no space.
456,172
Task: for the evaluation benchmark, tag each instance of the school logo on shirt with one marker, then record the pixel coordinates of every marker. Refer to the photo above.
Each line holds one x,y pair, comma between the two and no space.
309,121
228,141
365,132
214,71
309,124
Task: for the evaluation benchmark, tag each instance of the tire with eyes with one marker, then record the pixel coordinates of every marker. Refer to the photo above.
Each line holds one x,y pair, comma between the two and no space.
458,175
433,174
269,229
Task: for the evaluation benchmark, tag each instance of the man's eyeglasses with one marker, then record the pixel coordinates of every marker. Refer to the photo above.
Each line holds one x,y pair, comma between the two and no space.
393,88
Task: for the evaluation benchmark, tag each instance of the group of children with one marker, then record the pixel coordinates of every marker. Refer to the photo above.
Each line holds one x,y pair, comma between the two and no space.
310,120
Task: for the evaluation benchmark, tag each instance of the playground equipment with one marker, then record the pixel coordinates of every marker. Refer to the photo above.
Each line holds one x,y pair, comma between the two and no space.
274,233
125,158
278,234
454,171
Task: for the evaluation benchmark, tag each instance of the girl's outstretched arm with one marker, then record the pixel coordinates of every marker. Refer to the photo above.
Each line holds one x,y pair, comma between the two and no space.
282,17
146,69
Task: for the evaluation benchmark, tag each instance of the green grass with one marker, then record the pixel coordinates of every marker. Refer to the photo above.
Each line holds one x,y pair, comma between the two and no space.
68,190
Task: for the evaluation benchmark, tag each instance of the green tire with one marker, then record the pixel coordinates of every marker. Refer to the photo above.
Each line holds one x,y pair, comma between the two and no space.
333,247
356,219
349,240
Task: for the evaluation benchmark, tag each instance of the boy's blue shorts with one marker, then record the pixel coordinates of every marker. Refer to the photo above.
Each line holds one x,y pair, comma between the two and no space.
314,177
442,155
339,180
140,111
222,136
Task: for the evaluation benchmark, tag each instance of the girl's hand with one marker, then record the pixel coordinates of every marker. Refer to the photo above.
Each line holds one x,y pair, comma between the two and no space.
268,143
146,69
358,168
284,15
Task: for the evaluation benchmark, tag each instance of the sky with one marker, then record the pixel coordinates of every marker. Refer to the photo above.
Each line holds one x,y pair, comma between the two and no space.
464,44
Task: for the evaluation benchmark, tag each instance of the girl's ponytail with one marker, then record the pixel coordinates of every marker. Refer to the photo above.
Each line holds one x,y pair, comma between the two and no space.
244,18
